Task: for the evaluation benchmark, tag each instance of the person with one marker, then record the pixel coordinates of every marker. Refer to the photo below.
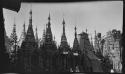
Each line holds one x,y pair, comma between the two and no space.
4,58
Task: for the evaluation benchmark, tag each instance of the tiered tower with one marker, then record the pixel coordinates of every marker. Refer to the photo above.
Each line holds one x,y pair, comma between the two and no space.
64,53
76,52
48,48
28,50
64,44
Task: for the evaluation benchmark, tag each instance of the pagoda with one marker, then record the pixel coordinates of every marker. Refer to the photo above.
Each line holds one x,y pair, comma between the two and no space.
76,52
64,53
28,54
48,48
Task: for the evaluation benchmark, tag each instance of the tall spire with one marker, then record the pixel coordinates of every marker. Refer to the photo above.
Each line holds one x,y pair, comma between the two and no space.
30,34
63,26
36,36
49,21
75,44
75,32
30,20
63,38
49,17
48,30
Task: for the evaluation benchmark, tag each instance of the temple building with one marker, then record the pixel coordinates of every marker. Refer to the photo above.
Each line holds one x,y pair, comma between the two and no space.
48,49
28,56
64,53
76,52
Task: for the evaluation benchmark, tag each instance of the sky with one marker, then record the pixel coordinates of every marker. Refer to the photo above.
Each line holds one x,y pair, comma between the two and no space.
101,16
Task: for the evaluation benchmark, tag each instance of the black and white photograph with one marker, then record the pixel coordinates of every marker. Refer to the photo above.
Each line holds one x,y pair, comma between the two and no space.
83,36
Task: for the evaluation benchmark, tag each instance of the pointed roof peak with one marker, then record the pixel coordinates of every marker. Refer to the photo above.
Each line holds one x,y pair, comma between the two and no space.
75,32
63,21
30,12
31,9
49,17
75,28
24,23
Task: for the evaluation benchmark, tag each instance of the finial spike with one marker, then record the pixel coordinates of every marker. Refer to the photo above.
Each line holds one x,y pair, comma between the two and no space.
75,31
63,21
49,16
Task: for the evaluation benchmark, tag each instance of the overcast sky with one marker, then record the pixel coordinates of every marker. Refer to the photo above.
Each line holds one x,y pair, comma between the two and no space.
100,16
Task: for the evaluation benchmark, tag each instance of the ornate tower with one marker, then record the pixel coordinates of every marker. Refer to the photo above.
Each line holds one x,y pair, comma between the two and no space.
76,54
30,41
63,38
64,52
76,47
48,48
49,37
29,48
30,34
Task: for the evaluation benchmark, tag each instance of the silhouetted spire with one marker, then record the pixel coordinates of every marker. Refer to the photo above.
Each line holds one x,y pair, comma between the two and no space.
75,32
49,17
30,20
63,26
30,34
48,30
36,36
64,42
75,44
63,39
